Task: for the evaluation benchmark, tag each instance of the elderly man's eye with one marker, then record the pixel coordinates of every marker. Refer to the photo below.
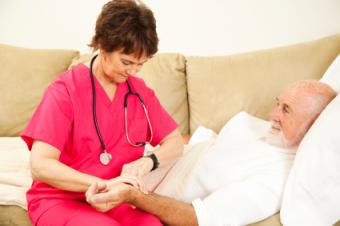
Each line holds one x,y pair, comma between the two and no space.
285,109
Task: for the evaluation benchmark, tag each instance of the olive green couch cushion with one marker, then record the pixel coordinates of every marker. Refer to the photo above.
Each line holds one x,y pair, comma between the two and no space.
25,74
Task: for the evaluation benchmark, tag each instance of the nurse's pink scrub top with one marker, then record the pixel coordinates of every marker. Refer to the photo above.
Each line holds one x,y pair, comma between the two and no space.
64,119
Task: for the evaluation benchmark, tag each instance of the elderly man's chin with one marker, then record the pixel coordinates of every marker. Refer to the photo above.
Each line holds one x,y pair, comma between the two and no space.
276,138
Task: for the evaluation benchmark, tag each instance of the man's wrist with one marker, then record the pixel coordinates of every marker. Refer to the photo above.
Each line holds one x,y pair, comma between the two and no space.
132,195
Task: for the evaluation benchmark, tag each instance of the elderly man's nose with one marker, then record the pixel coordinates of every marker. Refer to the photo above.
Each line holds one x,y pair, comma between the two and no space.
274,114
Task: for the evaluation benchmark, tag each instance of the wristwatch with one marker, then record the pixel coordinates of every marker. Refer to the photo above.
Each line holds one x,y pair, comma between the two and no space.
154,160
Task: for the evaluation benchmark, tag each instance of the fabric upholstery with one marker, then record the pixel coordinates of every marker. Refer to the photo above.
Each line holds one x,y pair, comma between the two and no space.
220,87
13,216
165,73
25,74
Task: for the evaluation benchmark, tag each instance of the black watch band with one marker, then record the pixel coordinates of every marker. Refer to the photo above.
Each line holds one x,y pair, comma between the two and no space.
154,160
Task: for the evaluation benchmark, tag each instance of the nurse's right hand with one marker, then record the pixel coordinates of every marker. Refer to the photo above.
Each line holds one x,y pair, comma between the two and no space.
127,179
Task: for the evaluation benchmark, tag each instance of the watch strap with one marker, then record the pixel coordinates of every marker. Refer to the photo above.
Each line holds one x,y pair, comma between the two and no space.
154,160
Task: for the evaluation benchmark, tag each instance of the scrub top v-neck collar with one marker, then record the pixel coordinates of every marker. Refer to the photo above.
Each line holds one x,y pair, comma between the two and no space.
101,93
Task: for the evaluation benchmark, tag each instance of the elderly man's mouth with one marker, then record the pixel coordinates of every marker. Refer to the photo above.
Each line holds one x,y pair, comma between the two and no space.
275,129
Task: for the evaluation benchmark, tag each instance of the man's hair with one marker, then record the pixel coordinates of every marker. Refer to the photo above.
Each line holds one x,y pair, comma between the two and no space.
128,26
318,93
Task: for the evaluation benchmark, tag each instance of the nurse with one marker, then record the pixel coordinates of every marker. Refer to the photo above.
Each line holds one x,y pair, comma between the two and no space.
81,133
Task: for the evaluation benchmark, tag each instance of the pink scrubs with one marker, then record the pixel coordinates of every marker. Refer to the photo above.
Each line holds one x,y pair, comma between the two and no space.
64,119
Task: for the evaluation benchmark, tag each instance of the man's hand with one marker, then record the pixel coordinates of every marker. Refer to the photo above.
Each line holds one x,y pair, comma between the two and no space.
104,199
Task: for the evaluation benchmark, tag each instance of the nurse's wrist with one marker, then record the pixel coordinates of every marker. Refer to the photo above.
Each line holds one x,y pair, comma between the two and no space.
149,163
153,160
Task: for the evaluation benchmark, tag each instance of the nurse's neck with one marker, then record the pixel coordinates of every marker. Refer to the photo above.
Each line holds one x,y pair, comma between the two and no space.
99,73
109,86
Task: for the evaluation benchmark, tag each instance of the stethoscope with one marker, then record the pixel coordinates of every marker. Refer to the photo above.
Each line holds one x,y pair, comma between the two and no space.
106,157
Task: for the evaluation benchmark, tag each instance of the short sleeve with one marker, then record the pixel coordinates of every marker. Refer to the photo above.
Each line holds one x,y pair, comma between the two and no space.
161,122
52,121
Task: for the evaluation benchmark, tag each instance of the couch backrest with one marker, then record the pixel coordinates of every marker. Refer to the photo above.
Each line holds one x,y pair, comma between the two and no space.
165,74
24,75
196,91
220,87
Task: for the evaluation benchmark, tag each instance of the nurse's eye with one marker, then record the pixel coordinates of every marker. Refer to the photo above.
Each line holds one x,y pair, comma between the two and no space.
126,62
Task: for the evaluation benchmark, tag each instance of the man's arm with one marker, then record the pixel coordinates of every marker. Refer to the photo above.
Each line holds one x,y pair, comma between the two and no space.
170,211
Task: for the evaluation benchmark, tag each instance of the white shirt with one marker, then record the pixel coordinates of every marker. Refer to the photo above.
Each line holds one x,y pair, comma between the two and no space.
240,179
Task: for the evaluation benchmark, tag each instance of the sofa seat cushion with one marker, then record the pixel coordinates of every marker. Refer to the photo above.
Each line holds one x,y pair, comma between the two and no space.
16,216
13,216
25,74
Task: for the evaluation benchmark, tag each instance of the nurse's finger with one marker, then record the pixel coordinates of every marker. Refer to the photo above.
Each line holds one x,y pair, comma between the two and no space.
131,180
139,180
142,185
101,198
92,190
123,179
101,186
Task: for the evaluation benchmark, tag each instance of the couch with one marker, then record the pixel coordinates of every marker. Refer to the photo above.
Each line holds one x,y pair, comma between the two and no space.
195,90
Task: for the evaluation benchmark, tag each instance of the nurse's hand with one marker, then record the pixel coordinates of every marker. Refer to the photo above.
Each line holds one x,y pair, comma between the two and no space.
103,198
126,179
94,189
138,168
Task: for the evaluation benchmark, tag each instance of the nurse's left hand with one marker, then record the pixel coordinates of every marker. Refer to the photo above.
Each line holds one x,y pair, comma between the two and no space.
91,193
138,168
104,198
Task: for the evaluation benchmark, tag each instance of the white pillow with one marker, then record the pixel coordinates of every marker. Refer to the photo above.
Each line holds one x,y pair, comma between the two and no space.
332,75
15,176
312,193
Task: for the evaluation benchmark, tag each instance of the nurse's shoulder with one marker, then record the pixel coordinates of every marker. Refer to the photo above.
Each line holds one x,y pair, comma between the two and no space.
71,80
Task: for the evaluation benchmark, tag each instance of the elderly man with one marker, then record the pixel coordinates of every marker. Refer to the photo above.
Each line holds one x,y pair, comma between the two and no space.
238,181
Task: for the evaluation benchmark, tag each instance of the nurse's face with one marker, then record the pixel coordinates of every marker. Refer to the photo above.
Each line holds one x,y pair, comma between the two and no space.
118,66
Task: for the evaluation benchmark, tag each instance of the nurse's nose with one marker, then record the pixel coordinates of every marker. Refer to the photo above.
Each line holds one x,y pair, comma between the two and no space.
131,72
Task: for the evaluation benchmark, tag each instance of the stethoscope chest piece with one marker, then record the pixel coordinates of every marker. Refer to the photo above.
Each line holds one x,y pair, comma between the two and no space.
105,158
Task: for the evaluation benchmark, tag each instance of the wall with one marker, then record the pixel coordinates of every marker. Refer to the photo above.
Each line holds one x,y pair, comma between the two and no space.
192,27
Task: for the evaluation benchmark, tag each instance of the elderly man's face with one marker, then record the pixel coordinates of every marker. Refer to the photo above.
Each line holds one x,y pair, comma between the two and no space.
290,119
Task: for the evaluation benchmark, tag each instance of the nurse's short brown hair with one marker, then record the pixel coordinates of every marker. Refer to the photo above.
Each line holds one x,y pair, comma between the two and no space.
126,25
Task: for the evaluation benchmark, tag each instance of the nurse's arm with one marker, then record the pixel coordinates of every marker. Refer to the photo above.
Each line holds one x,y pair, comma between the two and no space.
170,149
46,167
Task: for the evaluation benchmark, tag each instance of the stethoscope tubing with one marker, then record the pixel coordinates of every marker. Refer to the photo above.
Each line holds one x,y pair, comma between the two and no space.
130,92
